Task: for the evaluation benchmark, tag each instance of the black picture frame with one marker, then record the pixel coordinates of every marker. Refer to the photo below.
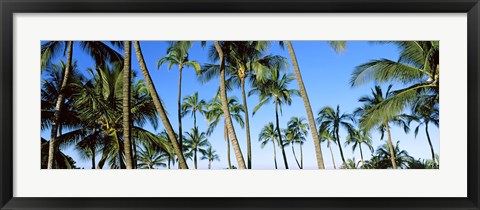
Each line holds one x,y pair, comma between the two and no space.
10,7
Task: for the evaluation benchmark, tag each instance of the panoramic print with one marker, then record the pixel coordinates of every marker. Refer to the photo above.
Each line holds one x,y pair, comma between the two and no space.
169,105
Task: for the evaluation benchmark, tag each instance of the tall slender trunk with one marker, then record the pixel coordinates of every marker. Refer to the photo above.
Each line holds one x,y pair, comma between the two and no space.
308,107
194,118
127,147
361,155
390,146
225,130
274,152
247,125
223,98
169,160
159,107
134,153
59,106
179,106
280,135
195,158
295,156
340,146
301,155
430,143
102,159
333,159
93,157
121,164
209,164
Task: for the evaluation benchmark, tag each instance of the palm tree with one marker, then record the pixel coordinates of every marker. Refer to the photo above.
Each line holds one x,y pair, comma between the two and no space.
401,156
289,138
210,155
150,157
357,138
177,54
351,164
425,112
269,134
99,102
418,67
275,87
331,120
337,46
159,106
215,113
326,136
245,59
127,73
298,130
98,50
192,104
383,121
196,142
223,98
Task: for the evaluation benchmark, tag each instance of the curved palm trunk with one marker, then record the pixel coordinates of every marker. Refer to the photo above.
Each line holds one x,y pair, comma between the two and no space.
390,146
333,159
361,154
127,147
274,153
59,106
430,143
179,105
225,130
223,99
295,156
247,125
103,159
280,135
301,156
308,107
159,107
340,146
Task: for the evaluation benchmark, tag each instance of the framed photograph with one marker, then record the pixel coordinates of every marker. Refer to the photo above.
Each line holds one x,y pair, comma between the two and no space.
239,105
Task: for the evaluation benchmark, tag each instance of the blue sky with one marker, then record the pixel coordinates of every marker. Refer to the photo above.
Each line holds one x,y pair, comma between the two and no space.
326,75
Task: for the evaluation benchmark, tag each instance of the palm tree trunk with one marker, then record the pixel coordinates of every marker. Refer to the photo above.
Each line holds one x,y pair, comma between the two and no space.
361,154
93,157
159,107
390,146
308,107
333,159
223,98
274,152
179,105
195,157
169,160
430,143
59,106
120,150
225,130
134,154
301,155
103,159
295,156
126,105
247,125
280,134
209,164
340,146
